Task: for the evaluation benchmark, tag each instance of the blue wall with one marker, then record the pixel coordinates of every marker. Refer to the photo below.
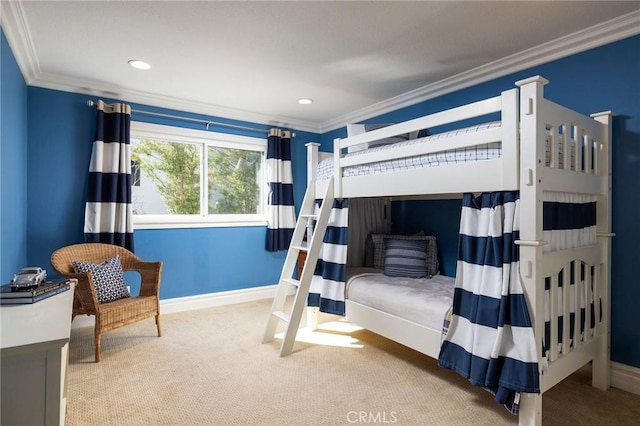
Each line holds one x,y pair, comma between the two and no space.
60,132
196,260
13,164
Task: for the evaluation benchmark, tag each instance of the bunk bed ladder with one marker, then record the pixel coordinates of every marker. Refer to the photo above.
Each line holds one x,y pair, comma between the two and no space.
312,224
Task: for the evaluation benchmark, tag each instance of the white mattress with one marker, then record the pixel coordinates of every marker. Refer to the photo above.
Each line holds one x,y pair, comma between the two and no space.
474,153
422,300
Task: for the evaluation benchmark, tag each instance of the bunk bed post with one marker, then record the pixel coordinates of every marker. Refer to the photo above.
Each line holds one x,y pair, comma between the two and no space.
312,161
337,169
530,409
312,173
601,373
532,151
510,148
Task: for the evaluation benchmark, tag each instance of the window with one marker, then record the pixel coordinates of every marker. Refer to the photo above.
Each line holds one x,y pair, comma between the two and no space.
192,178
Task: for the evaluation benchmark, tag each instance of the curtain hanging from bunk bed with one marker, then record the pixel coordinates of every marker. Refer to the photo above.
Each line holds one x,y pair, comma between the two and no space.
366,216
328,283
490,339
281,215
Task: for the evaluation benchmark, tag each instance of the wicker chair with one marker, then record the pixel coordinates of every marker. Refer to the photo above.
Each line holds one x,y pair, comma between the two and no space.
118,313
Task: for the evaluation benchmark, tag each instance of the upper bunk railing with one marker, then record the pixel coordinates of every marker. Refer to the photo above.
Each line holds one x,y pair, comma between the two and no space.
557,144
506,133
476,109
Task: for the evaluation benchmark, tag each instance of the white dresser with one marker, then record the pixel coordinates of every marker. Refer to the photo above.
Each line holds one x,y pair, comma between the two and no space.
34,345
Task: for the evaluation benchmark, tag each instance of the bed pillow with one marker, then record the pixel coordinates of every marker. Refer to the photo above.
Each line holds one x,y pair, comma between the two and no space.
358,129
370,249
431,250
108,278
405,258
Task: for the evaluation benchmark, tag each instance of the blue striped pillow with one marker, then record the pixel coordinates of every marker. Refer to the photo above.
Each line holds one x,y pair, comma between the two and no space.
379,244
405,258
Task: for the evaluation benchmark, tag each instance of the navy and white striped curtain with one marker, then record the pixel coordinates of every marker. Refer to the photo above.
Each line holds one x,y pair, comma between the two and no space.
490,339
328,283
108,208
281,215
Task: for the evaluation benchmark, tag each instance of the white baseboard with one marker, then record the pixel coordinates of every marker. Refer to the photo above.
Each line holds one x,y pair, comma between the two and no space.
190,303
201,301
625,377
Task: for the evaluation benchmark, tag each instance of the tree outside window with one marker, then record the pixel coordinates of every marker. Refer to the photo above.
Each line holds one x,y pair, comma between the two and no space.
173,171
184,176
233,181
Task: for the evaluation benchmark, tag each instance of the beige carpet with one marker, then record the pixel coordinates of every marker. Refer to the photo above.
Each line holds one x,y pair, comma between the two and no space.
209,368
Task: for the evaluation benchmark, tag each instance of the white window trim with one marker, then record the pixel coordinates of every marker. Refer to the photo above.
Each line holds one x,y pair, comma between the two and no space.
178,134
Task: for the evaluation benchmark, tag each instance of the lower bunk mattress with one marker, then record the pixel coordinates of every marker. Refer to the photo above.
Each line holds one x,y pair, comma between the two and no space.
424,301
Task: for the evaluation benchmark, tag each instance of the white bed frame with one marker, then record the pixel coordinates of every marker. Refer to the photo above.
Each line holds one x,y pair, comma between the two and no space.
525,113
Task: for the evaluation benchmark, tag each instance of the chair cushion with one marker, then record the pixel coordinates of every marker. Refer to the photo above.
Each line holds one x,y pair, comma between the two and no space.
108,278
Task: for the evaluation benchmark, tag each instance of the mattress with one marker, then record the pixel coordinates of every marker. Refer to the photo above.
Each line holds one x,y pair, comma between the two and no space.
424,301
461,155
480,152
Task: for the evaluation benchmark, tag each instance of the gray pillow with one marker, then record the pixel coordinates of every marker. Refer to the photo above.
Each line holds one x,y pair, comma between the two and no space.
431,250
405,258
108,278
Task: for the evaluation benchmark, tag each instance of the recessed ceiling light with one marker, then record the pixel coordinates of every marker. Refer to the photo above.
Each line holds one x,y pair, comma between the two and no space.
305,101
138,64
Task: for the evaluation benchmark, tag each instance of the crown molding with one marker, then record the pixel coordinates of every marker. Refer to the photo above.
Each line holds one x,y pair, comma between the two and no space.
607,32
95,88
100,89
16,29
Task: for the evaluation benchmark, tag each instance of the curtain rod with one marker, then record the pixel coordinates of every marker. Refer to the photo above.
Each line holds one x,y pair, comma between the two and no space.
207,123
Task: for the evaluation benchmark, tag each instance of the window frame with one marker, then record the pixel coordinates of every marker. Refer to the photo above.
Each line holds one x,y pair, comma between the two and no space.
204,139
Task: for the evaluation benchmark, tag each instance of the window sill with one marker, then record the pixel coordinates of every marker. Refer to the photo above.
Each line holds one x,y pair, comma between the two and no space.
148,223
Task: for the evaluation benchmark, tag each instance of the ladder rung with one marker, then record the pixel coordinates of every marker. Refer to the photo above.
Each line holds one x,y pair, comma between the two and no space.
292,282
283,316
301,247
308,216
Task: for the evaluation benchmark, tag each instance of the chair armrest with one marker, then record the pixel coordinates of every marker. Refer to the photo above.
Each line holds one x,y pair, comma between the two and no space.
150,274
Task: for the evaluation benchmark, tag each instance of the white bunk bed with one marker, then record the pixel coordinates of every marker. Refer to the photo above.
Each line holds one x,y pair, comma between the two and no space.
544,148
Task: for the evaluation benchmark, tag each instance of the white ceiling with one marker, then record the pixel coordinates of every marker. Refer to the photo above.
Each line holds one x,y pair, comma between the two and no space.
253,60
